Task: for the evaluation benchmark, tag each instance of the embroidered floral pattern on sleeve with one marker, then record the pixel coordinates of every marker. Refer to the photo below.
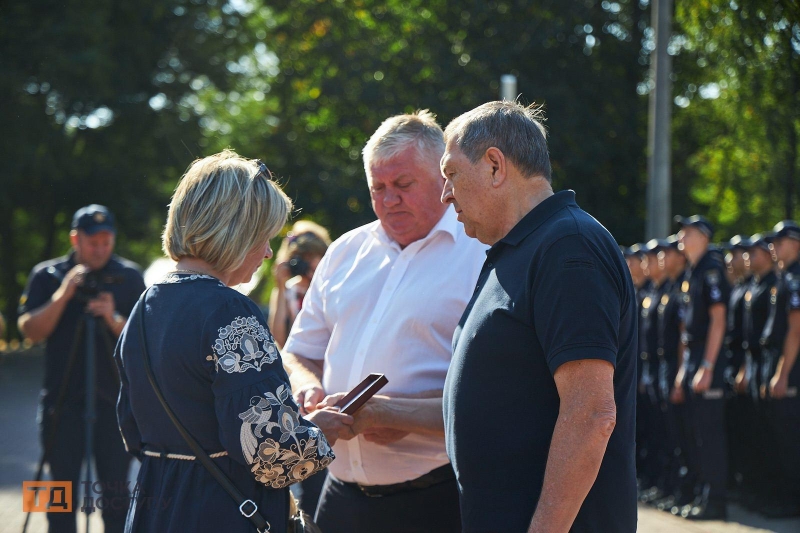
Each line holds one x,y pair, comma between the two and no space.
242,345
291,458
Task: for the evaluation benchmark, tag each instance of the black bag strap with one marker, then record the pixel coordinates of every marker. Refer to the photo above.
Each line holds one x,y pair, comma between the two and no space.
247,507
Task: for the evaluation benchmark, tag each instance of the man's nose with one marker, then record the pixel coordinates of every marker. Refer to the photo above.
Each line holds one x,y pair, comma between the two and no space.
390,198
447,193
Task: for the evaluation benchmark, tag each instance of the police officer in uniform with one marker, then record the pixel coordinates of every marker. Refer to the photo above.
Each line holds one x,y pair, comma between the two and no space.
635,259
737,261
653,475
760,300
780,375
673,263
61,296
705,300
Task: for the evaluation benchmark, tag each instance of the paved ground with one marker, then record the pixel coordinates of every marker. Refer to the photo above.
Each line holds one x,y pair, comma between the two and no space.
20,379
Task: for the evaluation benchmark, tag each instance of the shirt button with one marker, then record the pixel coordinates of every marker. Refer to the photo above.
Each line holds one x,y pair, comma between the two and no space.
489,265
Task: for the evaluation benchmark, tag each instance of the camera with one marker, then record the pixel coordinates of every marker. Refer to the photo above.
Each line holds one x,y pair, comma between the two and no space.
298,267
93,282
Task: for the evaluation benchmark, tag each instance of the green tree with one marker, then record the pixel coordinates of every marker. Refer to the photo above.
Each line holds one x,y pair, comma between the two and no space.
334,70
89,116
736,124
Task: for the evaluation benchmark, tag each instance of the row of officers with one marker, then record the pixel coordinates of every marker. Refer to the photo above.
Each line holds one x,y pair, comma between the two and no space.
718,412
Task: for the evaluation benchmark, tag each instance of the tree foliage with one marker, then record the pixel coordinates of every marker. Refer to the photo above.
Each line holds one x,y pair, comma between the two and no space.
738,96
109,102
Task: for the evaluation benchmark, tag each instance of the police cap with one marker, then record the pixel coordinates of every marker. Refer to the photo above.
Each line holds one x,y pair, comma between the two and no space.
787,228
92,219
699,222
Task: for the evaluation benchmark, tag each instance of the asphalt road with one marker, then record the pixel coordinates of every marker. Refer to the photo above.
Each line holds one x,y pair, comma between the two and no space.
20,380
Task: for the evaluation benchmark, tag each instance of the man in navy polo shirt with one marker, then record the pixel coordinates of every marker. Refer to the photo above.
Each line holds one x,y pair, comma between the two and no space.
539,402
60,297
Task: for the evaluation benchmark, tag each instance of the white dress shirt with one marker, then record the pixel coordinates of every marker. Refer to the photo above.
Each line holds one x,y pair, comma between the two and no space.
374,307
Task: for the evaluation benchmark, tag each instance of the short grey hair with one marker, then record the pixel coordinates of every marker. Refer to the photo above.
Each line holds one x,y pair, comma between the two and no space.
223,207
397,133
515,130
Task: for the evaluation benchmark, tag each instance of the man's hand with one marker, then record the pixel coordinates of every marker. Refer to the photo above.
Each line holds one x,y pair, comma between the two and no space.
368,420
702,380
742,380
102,307
777,386
308,397
71,282
676,395
334,425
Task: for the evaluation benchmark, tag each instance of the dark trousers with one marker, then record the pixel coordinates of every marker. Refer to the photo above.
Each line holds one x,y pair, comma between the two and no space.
111,461
784,420
343,508
709,443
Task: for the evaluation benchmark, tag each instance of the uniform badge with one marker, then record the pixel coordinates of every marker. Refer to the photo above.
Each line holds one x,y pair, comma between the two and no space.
99,218
646,302
665,299
685,286
716,294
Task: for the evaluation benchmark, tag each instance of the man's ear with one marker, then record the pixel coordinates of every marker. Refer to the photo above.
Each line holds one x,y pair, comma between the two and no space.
73,238
497,162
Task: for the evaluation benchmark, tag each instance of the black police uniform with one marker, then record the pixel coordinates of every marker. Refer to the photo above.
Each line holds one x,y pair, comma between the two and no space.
783,416
670,316
737,406
760,307
64,370
643,422
705,287
653,452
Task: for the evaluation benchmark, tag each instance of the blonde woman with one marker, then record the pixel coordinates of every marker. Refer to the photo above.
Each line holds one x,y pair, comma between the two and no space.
217,365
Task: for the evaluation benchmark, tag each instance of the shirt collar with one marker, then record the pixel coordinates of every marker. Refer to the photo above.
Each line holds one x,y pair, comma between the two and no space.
538,216
447,224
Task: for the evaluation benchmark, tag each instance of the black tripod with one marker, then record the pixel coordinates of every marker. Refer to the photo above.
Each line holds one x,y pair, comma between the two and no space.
86,329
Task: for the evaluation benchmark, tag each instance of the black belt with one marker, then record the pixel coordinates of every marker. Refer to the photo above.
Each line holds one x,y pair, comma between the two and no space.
434,477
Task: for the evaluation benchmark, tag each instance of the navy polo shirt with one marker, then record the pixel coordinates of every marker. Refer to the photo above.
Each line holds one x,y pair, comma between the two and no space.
120,277
555,289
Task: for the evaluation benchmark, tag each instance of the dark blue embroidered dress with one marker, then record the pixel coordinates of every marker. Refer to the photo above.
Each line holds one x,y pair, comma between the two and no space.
219,369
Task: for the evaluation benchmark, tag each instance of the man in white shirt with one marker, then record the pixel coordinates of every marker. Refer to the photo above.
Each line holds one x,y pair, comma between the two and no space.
386,298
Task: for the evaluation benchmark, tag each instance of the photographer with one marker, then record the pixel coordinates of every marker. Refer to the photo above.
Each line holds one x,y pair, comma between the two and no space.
295,263
61,296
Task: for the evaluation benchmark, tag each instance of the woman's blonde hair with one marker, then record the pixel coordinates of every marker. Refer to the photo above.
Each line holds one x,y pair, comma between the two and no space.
223,207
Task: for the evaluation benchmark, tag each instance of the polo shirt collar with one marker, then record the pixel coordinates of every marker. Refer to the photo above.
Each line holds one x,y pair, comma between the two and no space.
448,224
538,216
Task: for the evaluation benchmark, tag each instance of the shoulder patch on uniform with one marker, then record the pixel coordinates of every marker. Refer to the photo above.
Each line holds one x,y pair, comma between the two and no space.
712,277
793,284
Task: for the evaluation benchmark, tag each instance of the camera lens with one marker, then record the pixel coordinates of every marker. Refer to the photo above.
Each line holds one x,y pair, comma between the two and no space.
298,267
